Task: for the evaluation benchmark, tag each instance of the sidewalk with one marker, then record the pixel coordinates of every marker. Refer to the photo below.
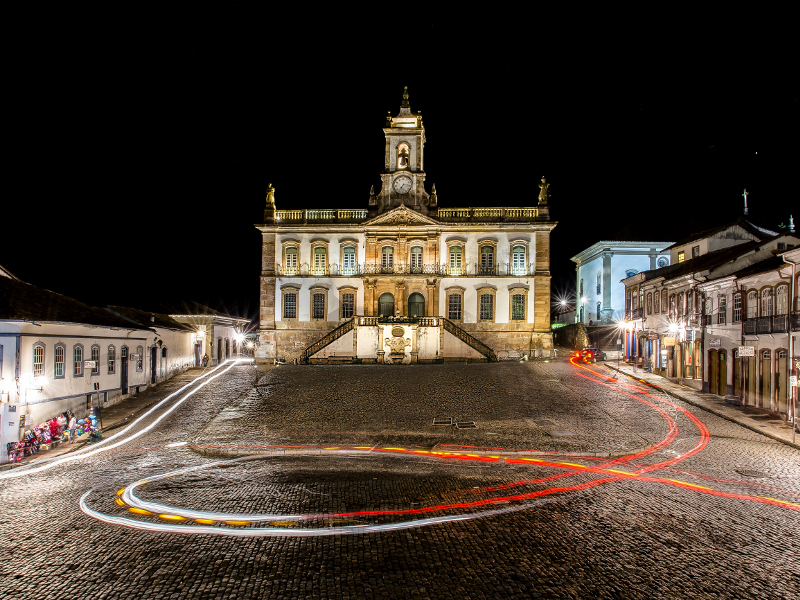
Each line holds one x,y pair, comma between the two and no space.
115,416
755,419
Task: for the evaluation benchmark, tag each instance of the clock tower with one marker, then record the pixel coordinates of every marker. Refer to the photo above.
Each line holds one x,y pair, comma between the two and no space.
403,177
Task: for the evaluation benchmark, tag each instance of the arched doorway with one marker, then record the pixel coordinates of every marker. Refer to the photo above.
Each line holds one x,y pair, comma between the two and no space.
386,305
416,305
766,378
713,372
723,373
781,395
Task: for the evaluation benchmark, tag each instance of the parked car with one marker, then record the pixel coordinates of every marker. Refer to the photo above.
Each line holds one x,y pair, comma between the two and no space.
593,354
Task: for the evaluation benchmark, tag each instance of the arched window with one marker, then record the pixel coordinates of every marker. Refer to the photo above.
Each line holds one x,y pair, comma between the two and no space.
454,307
752,304
320,261
112,359
487,260
782,300
403,156
680,304
737,307
349,260
386,305
139,358
649,304
38,360
656,304
664,305
77,360
456,260
387,259
518,263
672,306
766,302
96,359
416,259
416,305
59,358
290,268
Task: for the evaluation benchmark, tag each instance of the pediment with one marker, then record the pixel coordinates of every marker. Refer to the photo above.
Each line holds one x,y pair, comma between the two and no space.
402,215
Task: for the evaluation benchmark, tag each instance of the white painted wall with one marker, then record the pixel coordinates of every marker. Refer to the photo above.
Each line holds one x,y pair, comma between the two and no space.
368,341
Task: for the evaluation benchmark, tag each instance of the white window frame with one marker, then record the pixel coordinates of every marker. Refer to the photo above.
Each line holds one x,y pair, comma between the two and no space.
38,360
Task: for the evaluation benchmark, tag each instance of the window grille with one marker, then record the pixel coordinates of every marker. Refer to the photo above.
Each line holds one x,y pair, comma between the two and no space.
656,304
487,260
672,306
319,306
737,308
291,261
487,307
454,307
290,305
664,300
680,304
38,361
649,303
96,359
77,360
681,257
58,355
112,356
695,251
348,301
518,308
709,306
349,261
518,262
140,360
722,310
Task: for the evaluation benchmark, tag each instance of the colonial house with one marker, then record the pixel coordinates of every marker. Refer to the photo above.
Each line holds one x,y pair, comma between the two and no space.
405,279
752,318
667,310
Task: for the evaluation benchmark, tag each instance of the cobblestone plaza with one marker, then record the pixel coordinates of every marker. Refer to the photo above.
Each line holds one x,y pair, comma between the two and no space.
334,482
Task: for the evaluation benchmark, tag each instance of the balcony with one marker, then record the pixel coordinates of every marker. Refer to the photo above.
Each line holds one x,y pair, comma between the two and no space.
750,326
764,325
468,270
636,313
780,323
796,321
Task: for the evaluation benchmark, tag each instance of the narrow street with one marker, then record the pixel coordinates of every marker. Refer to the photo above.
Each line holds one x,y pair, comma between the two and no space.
334,482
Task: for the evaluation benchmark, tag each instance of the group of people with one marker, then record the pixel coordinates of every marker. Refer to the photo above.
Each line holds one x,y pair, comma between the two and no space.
65,427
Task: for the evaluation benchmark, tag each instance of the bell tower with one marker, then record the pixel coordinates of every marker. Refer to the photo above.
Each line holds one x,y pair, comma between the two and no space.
403,177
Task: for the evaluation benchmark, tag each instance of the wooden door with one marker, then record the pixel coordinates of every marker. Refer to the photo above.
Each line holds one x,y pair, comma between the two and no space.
713,375
751,381
123,372
723,373
737,376
766,378
781,395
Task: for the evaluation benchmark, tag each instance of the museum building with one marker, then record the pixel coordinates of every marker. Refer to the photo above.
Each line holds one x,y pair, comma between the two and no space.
405,280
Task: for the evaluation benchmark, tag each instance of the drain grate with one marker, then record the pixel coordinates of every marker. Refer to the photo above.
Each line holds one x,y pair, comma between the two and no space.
466,425
751,473
443,421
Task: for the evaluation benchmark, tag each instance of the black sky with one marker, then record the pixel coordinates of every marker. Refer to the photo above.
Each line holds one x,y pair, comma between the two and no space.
141,145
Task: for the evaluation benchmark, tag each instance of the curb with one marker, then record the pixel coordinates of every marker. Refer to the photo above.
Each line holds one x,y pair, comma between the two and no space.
746,425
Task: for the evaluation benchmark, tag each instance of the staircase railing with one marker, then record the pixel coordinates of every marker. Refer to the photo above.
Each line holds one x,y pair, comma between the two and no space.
470,341
326,339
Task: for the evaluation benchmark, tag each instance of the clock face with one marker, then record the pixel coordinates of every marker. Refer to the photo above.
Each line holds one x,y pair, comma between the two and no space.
402,185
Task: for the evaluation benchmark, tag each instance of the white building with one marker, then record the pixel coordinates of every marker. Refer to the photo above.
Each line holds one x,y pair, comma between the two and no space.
599,268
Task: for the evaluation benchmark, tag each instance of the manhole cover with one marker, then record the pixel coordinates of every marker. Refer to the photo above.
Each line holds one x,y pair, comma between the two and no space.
751,473
443,421
561,433
466,425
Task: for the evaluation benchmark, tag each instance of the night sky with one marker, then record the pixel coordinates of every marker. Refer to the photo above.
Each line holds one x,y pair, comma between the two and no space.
140,152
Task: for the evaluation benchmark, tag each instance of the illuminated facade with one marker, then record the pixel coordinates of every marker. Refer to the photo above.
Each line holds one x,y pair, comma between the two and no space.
486,270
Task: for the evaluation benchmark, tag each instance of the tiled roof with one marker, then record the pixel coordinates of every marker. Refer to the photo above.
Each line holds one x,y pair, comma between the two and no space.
704,262
187,307
772,263
757,231
149,319
23,301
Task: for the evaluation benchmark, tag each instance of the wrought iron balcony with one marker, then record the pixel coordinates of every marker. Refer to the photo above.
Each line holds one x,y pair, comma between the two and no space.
636,313
750,326
467,270
764,325
796,321
780,323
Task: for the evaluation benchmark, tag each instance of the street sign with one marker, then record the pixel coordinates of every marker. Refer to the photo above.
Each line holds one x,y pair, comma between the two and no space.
715,343
668,341
89,364
747,351
793,381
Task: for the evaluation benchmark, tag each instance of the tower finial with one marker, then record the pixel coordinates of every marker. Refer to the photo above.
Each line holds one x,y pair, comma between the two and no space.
791,224
405,104
745,202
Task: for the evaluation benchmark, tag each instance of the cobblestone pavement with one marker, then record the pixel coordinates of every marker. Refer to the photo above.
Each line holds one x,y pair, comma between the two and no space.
571,485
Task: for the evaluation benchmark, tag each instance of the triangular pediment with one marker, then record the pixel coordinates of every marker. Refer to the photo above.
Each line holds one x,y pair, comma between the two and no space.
402,215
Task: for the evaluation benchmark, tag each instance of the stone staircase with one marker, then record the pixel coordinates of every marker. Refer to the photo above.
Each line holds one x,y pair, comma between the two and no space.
469,340
328,338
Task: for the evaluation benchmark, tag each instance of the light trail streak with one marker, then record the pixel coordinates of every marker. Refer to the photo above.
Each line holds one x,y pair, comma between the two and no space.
95,449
